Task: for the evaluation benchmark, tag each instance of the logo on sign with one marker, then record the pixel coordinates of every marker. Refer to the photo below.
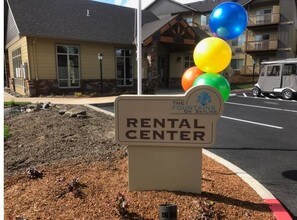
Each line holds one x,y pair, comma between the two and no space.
204,105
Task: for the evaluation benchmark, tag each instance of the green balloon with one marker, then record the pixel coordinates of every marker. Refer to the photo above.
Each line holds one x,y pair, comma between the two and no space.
216,81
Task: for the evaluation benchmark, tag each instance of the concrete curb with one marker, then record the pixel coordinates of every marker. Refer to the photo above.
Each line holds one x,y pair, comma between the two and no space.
276,207
100,110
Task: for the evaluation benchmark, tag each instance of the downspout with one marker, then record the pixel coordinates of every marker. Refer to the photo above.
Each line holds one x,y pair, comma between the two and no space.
35,66
34,58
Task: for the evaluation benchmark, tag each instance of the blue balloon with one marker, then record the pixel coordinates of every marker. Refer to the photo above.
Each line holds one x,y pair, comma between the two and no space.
228,20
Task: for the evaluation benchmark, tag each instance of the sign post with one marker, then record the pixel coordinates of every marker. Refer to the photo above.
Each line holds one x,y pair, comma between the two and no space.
165,136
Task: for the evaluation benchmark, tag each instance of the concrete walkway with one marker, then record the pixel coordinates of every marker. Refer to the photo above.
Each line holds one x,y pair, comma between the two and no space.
81,100
61,100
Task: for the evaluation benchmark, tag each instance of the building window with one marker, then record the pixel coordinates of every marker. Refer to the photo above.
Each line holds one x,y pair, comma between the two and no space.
68,66
189,62
263,16
239,41
236,64
189,21
124,67
204,20
16,62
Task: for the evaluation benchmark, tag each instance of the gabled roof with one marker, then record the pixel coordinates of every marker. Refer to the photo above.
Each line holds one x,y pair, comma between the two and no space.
150,28
209,5
201,33
67,19
175,2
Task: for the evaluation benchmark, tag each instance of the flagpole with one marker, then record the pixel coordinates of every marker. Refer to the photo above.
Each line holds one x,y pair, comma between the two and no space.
139,50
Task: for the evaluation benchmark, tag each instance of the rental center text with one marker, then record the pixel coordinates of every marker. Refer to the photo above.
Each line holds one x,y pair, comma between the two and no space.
164,129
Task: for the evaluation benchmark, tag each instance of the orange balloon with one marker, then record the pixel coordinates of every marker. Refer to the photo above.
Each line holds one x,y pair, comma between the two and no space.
189,77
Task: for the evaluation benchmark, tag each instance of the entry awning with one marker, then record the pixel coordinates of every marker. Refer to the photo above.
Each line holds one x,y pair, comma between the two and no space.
173,29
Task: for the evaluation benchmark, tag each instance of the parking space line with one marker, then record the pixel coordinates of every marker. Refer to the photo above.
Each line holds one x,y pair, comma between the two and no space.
244,95
252,122
257,106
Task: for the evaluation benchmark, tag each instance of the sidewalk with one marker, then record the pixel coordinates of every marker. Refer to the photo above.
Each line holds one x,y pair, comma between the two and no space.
84,100
61,100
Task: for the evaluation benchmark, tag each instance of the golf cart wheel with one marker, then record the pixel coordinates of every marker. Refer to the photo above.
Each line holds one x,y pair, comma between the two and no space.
256,92
287,94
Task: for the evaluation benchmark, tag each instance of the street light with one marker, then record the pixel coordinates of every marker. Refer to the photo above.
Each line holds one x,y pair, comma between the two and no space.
100,58
254,65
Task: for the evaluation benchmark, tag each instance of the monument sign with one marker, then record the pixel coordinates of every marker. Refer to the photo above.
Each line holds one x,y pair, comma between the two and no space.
165,136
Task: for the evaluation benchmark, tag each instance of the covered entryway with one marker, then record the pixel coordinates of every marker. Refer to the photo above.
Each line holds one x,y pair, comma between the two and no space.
168,51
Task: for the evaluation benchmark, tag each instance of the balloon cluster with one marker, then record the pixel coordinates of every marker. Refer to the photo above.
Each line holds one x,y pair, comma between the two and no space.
213,54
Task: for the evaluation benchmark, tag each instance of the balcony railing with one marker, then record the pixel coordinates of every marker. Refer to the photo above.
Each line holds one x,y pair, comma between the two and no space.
258,46
265,19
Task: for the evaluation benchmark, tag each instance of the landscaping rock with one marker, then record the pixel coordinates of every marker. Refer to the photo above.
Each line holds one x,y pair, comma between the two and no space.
62,111
76,113
46,105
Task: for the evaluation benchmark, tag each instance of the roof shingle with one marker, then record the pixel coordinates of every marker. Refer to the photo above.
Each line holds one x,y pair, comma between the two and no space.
209,5
67,19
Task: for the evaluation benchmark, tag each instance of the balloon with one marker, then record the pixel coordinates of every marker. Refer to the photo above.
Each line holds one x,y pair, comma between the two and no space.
228,20
189,76
212,55
216,81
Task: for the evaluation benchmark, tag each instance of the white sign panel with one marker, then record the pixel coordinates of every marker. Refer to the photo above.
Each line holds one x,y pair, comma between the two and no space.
187,121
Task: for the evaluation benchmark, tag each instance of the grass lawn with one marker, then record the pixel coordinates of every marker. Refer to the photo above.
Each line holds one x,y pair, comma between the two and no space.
13,103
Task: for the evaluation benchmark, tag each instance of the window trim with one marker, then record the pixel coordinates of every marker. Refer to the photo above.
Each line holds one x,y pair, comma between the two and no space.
191,62
14,57
116,72
237,64
79,68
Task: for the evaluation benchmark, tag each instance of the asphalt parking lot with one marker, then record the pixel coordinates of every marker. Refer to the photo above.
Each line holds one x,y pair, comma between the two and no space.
259,136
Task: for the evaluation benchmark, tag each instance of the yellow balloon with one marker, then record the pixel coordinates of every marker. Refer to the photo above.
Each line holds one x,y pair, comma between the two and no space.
212,55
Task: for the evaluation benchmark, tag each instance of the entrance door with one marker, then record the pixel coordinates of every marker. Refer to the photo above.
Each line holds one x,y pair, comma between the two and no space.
163,71
272,77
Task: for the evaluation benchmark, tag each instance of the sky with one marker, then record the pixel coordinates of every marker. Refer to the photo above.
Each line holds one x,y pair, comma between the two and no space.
133,3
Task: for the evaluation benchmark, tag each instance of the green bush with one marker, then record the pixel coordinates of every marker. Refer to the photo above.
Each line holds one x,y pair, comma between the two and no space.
6,132
78,94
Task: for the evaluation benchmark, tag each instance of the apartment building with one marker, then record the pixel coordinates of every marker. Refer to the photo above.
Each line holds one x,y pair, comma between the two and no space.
270,34
271,31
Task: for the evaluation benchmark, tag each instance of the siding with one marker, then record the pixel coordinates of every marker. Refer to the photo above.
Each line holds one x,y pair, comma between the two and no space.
12,31
21,43
287,32
176,68
45,56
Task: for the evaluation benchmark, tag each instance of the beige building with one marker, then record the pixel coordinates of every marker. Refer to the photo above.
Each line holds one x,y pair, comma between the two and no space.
52,47
57,52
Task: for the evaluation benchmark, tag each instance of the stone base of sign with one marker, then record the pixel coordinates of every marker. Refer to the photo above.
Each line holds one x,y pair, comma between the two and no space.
165,168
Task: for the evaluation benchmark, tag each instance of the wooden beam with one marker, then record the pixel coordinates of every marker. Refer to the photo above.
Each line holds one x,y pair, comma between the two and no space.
189,41
147,41
191,32
165,39
164,28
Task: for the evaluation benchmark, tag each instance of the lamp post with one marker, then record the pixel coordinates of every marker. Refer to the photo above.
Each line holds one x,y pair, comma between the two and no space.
254,65
100,58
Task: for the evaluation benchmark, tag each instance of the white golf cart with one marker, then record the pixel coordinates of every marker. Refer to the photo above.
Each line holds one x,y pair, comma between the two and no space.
277,77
